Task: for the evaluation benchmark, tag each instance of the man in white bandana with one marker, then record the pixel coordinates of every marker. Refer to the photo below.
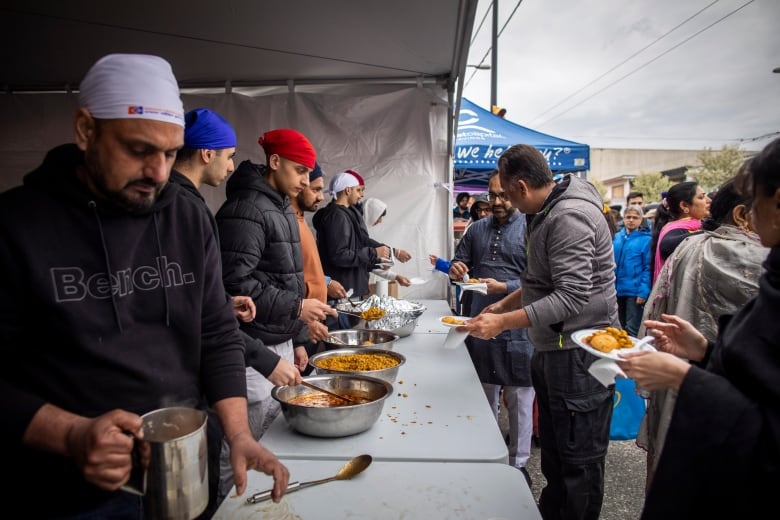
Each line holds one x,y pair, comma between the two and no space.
112,304
346,251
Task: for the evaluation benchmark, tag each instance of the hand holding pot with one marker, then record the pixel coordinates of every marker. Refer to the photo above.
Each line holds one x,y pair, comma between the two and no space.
102,447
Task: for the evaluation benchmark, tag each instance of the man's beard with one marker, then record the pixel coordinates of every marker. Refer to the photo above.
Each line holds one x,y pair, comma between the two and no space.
306,207
97,177
132,205
501,212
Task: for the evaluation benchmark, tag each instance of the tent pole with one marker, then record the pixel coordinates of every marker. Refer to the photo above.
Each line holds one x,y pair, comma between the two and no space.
494,60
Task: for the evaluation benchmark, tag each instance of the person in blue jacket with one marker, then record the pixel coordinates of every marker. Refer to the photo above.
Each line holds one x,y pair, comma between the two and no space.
632,268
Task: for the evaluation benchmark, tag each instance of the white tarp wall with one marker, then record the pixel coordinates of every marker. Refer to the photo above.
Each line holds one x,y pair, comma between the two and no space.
396,139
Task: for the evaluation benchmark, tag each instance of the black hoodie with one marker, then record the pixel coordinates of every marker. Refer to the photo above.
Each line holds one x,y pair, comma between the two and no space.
347,253
156,331
256,354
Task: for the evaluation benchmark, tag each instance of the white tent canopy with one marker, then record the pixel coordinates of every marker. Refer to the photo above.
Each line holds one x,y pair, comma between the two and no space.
371,83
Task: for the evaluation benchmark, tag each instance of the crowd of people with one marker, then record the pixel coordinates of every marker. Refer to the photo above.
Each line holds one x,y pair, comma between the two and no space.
149,301
699,277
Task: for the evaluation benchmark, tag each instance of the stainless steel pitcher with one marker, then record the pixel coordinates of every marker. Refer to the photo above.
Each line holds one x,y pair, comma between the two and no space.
172,473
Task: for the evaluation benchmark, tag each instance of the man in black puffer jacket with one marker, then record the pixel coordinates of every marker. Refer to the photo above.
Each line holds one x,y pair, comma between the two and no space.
261,258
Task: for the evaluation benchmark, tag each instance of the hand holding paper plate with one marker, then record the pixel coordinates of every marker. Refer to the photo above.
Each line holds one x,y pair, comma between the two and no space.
479,287
454,339
453,321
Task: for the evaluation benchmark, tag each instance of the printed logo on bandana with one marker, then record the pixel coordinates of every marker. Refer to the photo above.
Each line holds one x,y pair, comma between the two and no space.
138,110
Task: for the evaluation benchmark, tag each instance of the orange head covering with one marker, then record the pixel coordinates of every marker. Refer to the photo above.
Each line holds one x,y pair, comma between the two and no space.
290,144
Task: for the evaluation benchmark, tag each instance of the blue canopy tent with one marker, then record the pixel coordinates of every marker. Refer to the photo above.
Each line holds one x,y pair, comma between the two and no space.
482,137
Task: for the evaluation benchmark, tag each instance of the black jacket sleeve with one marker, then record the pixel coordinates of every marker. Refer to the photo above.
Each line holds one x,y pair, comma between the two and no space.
258,356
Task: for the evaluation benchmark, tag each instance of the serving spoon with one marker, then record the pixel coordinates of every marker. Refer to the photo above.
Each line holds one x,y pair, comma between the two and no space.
336,339
350,400
350,469
349,296
360,314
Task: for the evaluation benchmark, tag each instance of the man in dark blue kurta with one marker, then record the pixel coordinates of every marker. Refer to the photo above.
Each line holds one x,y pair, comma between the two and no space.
494,251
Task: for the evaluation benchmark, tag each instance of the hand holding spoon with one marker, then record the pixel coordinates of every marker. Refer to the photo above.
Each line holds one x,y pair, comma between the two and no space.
347,471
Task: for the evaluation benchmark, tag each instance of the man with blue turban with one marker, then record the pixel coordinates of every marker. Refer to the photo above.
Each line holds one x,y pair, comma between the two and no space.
207,158
209,148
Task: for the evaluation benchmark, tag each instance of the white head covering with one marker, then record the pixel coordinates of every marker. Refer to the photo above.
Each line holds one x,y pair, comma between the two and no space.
341,182
372,210
132,86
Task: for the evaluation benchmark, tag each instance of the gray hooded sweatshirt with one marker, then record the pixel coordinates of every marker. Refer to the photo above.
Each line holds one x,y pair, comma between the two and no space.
569,281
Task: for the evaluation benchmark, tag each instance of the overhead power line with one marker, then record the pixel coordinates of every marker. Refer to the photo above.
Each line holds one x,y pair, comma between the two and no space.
631,73
680,139
487,52
759,138
481,23
640,51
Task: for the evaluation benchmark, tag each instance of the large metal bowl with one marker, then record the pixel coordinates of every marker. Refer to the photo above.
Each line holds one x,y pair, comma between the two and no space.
360,338
387,374
337,421
400,325
400,315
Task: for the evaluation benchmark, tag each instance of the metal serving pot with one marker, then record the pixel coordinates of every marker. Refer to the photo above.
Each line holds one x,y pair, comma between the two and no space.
381,339
172,467
334,421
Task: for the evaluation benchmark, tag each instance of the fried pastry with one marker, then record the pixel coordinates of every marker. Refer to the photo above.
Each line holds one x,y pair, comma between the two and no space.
609,339
604,342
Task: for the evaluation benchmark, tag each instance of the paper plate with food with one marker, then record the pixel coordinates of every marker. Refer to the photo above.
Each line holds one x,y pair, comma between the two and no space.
473,284
453,321
608,342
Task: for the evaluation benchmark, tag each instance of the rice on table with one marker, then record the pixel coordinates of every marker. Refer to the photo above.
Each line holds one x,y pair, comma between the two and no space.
358,362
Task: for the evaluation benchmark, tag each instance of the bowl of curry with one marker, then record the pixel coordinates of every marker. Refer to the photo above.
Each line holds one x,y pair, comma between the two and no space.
317,414
360,338
366,361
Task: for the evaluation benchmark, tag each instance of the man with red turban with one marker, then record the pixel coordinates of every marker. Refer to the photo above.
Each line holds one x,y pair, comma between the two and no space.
262,258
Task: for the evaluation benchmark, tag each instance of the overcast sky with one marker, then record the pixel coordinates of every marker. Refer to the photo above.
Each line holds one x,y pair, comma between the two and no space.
635,73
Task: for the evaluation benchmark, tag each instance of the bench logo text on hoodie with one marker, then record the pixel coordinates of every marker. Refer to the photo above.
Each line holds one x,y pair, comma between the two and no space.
73,284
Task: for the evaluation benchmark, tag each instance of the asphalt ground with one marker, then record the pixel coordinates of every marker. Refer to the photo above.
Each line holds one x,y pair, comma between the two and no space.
624,480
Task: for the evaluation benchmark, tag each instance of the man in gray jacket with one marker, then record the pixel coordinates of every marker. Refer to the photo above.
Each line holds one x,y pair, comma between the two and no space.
568,284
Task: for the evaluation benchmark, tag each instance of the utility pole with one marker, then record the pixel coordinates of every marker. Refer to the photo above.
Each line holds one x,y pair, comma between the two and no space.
494,59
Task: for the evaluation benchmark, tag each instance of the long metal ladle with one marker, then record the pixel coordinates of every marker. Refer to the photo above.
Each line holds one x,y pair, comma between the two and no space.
347,471
349,399
359,314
